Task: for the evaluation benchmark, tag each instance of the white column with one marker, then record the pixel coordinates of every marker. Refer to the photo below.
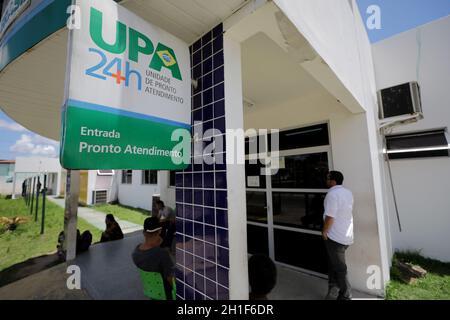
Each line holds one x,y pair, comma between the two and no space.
70,213
237,221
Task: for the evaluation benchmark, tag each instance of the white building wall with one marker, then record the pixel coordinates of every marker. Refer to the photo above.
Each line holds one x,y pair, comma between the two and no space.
37,164
92,175
136,194
421,55
330,27
6,188
31,166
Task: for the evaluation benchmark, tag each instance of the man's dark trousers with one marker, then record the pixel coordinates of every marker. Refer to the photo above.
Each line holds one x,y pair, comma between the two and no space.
337,269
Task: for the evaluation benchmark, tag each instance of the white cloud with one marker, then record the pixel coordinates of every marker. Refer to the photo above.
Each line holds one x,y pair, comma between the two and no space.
35,145
11,126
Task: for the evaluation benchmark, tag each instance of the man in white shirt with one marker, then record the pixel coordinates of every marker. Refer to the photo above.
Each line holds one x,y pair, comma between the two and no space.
338,235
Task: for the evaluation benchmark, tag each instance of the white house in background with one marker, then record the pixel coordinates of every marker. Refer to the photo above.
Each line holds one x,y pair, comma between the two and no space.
38,166
135,188
96,186
420,178
6,174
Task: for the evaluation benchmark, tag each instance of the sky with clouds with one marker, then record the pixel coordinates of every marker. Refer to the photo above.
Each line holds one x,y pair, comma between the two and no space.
16,141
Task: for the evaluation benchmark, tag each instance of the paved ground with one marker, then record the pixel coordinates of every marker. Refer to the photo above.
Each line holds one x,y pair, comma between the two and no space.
108,272
295,285
29,267
46,285
97,218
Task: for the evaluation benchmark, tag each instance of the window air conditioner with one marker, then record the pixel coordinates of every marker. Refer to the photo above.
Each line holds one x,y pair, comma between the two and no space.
400,100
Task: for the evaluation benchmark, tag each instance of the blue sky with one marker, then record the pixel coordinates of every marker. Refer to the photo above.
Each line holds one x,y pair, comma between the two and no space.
401,15
16,141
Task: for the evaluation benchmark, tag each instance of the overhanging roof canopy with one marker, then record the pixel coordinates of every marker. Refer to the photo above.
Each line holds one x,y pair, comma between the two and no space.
32,85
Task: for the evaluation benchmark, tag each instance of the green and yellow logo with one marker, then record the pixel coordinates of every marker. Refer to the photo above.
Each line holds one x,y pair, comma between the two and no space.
166,58
138,43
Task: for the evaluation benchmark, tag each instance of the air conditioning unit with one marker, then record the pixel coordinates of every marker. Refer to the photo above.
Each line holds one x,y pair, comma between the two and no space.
399,101
100,196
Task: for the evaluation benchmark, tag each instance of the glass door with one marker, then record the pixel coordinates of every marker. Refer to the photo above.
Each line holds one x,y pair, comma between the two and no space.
285,210
297,193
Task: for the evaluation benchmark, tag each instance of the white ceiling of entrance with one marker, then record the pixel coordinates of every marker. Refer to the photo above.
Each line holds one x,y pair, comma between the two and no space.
32,87
270,75
186,19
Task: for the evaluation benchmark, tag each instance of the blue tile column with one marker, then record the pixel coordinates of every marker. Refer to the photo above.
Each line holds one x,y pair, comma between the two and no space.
202,251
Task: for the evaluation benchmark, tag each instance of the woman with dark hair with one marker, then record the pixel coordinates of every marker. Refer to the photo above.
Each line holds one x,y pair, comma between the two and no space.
113,230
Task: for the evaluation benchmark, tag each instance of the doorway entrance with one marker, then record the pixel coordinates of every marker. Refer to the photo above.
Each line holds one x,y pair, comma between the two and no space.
285,209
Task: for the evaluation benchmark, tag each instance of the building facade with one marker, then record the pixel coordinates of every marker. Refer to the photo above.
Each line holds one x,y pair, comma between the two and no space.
305,68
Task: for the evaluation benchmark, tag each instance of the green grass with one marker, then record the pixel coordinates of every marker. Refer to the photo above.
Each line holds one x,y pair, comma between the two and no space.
434,286
26,241
124,213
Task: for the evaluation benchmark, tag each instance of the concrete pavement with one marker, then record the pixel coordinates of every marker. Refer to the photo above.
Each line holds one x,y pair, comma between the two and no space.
97,218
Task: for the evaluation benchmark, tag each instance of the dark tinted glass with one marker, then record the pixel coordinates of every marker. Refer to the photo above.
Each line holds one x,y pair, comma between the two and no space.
307,137
302,250
257,207
149,177
430,139
308,171
299,210
257,240
172,178
253,174
255,144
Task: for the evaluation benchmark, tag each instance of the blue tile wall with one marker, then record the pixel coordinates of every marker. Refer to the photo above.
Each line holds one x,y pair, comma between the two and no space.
202,255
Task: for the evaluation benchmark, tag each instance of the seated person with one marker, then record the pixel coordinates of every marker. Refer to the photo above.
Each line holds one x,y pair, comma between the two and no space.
113,230
149,256
262,274
84,241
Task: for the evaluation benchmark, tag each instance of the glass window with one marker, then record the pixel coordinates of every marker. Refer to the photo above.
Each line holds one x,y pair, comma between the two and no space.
254,179
299,210
307,171
302,250
105,172
256,206
257,240
149,177
172,177
127,176
255,144
418,145
306,137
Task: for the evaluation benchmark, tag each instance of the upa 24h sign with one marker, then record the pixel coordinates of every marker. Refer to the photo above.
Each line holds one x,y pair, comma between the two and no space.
127,99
